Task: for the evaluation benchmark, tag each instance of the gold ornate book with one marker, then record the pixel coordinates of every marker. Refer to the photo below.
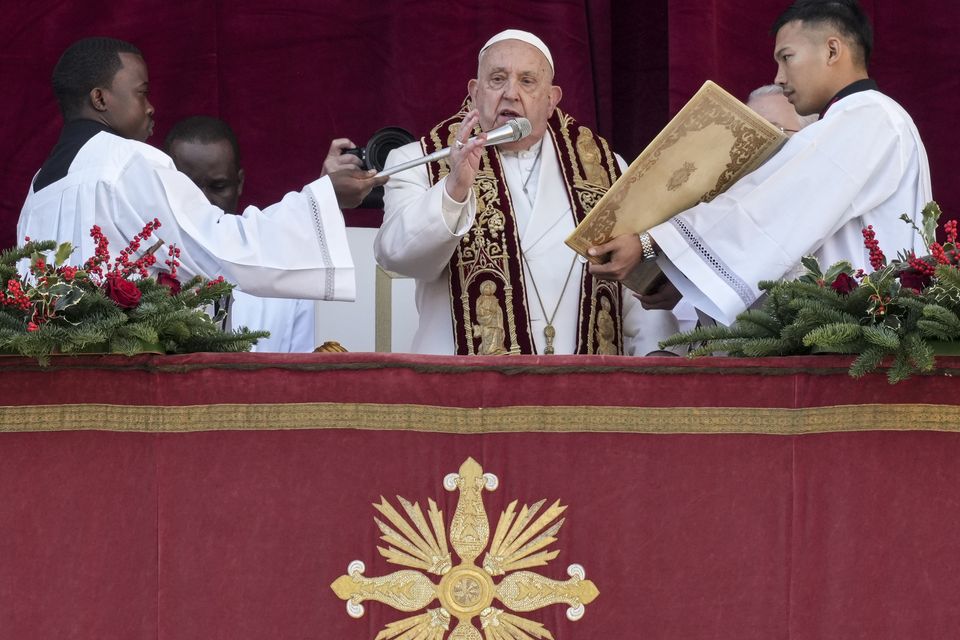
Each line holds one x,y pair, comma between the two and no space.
711,143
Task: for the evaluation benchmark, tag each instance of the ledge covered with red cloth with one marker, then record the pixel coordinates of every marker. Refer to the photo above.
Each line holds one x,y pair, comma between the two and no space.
219,496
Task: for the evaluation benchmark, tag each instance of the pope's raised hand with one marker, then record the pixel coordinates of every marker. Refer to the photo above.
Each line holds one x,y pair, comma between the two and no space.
464,158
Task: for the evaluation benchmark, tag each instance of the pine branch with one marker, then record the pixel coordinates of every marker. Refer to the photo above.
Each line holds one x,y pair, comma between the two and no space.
883,337
763,347
901,368
836,336
700,334
13,255
868,361
729,345
759,323
919,352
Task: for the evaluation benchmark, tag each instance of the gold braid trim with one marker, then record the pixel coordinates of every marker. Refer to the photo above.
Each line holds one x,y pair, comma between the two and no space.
409,417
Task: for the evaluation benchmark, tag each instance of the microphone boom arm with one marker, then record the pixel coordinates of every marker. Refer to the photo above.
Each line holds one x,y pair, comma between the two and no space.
510,132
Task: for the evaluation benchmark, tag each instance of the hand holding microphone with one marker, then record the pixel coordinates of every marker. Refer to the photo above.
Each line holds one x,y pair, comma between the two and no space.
510,132
463,159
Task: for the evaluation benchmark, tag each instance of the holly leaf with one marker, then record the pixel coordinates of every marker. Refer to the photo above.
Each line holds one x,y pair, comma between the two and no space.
931,216
811,265
63,254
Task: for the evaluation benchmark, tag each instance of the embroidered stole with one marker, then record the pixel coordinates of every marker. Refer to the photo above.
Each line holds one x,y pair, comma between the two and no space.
487,289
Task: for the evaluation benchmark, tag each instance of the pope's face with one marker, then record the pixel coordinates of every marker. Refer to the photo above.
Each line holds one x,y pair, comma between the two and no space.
514,80
128,109
802,56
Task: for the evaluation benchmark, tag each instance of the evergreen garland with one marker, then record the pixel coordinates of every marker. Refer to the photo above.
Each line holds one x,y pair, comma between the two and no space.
61,309
899,313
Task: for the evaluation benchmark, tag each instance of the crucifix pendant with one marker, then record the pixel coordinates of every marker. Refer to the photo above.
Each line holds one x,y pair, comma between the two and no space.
549,332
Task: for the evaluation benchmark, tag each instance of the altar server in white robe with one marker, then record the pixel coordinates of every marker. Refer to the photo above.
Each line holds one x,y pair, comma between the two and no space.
102,173
206,150
861,164
489,223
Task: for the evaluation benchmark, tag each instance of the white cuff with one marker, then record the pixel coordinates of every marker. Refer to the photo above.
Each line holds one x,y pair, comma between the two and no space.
458,216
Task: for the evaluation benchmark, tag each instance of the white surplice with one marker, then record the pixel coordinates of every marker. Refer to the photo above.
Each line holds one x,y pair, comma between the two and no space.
862,164
289,321
295,248
422,227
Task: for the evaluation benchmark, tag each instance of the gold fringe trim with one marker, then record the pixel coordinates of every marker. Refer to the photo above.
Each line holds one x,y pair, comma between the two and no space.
408,417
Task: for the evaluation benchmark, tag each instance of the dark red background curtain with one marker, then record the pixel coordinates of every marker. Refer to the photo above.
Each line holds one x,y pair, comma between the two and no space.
289,75
913,62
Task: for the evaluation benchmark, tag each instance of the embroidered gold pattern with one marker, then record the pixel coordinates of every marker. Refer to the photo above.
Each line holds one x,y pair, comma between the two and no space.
680,176
485,255
490,250
605,330
588,196
519,419
711,110
467,591
489,316
593,172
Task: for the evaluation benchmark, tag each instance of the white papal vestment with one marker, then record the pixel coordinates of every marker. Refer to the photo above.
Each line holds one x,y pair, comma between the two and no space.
862,164
295,248
422,226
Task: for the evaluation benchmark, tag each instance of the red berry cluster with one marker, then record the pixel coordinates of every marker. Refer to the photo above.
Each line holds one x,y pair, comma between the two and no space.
877,259
921,266
124,266
950,228
14,295
101,253
211,283
67,272
174,261
939,254
38,267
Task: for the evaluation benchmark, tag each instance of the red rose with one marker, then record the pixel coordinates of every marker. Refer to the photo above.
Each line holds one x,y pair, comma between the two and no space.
915,280
124,293
844,284
169,281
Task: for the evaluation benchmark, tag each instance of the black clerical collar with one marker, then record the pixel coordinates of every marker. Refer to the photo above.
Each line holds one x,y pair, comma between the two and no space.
867,84
75,134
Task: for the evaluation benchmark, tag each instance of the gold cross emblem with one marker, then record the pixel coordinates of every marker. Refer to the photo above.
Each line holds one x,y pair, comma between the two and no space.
468,590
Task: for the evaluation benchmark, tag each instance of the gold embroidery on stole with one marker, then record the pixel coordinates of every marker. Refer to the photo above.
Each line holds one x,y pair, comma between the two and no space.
487,288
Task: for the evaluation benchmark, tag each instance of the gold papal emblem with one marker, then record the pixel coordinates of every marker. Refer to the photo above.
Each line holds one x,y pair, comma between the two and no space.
468,590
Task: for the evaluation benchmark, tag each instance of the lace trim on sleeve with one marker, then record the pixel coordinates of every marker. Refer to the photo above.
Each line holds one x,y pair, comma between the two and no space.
329,287
741,288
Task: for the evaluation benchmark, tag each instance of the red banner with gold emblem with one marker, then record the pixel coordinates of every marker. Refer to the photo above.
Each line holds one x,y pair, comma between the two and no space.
230,496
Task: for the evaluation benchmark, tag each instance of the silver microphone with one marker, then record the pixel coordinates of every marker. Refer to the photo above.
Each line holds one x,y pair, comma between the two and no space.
512,131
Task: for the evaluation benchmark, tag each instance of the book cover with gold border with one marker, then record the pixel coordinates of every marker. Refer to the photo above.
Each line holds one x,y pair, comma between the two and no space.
711,143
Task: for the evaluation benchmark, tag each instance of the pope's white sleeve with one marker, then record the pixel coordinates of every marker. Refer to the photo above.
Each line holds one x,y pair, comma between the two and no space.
422,224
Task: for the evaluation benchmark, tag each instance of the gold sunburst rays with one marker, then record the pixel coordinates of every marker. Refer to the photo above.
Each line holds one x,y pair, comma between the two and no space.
467,591
516,540
420,549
